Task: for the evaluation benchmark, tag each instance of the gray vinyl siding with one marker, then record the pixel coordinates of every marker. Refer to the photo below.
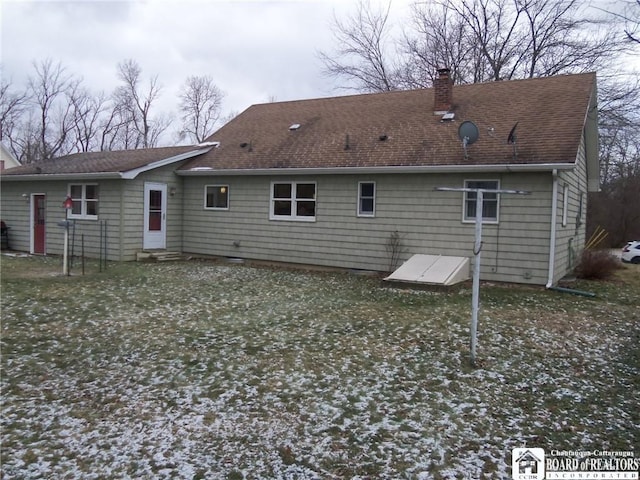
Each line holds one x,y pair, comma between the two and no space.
107,224
570,239
133,210
16,212
120,214
428,221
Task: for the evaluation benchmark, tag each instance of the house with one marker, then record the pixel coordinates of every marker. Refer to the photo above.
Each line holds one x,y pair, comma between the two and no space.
131,197
7,159
345,182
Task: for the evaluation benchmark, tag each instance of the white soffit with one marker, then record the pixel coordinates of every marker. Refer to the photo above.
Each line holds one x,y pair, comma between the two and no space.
432,270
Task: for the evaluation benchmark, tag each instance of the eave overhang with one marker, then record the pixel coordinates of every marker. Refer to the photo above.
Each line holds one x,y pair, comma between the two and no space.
89,176
539,167
41,177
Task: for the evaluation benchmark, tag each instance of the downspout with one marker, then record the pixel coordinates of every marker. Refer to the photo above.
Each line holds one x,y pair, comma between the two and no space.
122,220
554,218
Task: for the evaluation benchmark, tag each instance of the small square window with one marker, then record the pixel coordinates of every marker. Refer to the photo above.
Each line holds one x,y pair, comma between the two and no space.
489,200
84,201
216,197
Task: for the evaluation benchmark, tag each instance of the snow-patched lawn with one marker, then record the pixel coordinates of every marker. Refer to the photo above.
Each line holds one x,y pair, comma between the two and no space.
207,370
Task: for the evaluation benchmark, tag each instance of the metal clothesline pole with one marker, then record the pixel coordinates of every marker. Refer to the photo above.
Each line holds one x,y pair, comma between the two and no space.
475,297
477,250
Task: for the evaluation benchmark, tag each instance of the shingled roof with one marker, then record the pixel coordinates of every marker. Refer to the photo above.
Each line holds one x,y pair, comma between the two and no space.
118,163
399,129
393,130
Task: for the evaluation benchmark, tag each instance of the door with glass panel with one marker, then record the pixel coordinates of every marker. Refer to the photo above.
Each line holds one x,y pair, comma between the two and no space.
155,216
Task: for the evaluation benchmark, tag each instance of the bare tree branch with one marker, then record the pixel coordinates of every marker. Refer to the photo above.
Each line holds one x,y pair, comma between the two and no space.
12,106
361,55
50,124
135,106
200,104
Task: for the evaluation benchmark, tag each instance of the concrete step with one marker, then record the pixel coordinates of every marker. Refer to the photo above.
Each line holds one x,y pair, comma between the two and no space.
158,256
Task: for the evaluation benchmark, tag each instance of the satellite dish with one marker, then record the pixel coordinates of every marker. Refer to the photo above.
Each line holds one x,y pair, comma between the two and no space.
468,133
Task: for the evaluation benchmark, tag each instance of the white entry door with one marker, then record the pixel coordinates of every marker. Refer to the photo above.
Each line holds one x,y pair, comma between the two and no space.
155,216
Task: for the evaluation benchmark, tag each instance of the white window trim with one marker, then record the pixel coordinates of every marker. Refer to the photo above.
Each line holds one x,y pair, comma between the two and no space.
565,204
580,209
293,217
205,197
360,197
485,221
83,202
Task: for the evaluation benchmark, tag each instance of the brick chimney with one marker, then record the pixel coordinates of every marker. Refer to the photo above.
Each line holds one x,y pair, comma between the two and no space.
442,92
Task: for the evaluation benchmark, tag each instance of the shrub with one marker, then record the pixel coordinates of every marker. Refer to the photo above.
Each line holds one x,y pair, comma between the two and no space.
596,265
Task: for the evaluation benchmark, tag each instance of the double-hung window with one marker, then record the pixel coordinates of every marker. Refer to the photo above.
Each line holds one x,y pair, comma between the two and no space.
366,199
293,201
216,197
490,203
84,199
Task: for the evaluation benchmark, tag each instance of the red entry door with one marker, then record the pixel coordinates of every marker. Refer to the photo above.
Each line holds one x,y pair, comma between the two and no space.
39,224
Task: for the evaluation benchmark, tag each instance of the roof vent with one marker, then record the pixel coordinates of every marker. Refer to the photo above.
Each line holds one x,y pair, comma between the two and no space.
295,126
383,137
244,144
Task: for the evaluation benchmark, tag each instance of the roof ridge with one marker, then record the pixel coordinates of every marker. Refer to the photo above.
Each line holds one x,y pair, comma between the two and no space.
424,89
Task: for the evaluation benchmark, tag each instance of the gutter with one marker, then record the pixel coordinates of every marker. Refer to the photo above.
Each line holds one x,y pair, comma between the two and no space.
539,167
126,175
62,176
552,236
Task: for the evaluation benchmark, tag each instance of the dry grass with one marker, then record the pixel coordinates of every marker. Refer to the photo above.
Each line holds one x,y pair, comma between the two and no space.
204,370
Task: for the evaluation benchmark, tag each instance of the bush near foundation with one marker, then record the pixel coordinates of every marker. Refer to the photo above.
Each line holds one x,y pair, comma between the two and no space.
597,265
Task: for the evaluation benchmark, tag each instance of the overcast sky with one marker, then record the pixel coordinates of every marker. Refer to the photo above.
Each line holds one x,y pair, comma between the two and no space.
256,51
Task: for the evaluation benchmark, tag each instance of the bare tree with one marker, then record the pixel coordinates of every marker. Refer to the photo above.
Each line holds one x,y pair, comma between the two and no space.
200,104
534,38
12,107
50,122
439,39
117,132
478,40
362,55
631,16
87,114
134,105
616,208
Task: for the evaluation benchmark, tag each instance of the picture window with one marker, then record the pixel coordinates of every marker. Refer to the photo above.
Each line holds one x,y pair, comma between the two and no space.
293,201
